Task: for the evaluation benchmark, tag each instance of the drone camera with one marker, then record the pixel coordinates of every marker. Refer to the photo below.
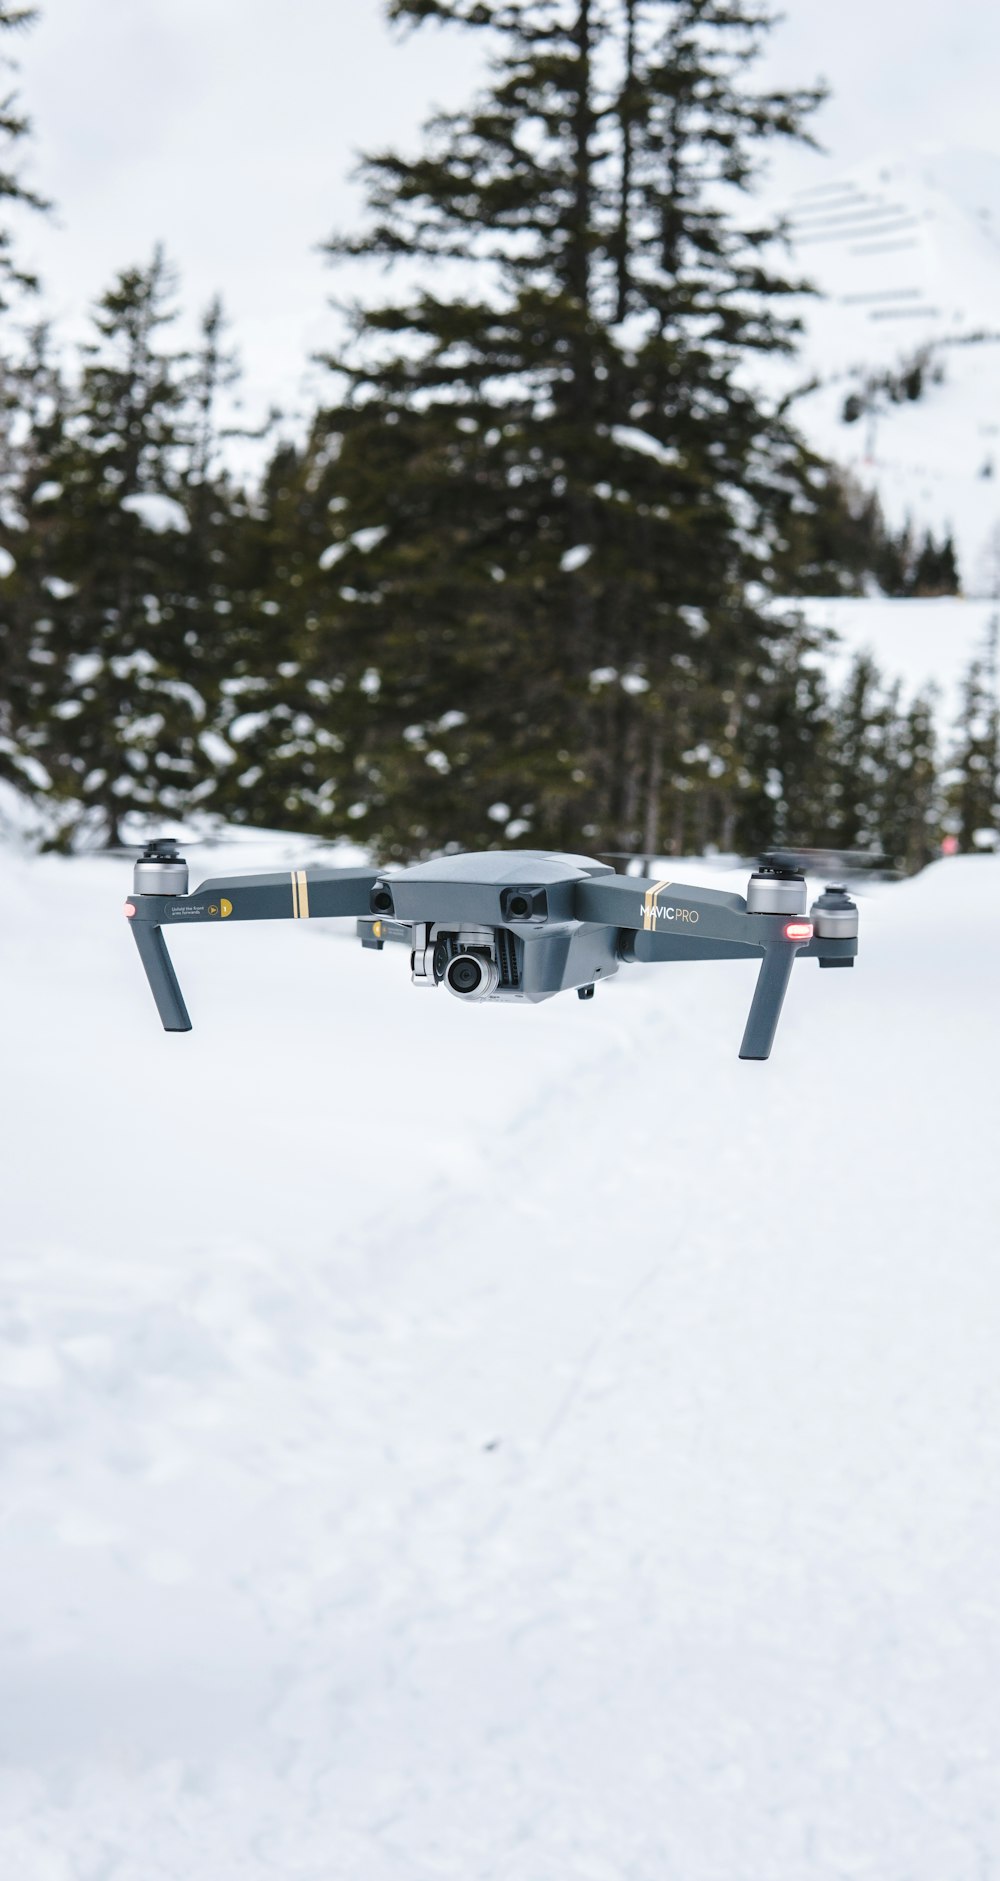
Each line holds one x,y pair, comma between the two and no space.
472,962
524,904
472,975
466,960
381,899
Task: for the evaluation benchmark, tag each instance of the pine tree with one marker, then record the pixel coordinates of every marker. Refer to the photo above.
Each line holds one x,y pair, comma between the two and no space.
843,544
13,128
911,805
117,720
275,704
214,606
858,760
36,405
557,505
974,793
790,757
18,376
935,570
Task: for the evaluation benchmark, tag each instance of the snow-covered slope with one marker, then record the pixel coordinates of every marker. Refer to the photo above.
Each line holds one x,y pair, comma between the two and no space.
905,250
922,644
905,253
524,1445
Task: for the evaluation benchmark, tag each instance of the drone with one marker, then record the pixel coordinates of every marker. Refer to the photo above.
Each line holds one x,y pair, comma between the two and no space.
513,925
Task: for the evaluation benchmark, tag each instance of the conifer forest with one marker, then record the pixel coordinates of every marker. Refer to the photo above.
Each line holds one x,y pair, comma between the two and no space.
532,570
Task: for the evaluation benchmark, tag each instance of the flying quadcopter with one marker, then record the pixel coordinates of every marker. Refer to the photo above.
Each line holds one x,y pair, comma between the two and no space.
513,924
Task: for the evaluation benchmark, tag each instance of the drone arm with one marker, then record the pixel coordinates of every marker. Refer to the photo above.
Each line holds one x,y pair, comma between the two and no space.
768,999
161,976
672,921
667,911
295,894
290,895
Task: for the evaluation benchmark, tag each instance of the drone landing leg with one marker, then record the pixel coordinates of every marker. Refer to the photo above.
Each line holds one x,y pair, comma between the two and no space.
768,998
161,976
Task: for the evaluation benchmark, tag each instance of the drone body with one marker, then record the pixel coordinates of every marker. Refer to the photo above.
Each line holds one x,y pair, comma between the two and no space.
512,925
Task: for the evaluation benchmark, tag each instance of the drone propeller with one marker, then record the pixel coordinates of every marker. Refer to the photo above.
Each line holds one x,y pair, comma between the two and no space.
161,846
826,862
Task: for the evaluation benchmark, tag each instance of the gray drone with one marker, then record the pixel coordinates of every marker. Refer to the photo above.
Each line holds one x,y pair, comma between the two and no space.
513,924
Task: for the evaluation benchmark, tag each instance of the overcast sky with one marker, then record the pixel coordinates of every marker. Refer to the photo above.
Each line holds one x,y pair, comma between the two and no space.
227,128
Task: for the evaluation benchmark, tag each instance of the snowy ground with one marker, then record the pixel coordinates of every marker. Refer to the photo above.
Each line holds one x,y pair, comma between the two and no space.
526,1445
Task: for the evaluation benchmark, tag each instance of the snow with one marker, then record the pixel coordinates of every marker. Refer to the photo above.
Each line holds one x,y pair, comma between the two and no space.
84,667
159,513
246,724
363,539
930,282
7,563
631,438
573,559
496,1443
216,749
920,643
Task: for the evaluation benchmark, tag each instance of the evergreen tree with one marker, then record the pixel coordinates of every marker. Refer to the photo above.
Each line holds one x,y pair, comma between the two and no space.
556,505
848,769
214,600
117,717
788,754
36,404
17,377
843,544
974,793
274,703
13,128
911,807
857,760
136,617
935,570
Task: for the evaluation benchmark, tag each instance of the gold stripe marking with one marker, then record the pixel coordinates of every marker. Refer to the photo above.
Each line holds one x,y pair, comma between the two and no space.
649,904
303,895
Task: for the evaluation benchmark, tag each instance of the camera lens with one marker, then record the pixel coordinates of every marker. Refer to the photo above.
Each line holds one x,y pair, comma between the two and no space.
520,907
465,974
381,900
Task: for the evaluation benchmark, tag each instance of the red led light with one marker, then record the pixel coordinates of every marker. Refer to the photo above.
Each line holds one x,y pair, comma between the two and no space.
130,909
798,930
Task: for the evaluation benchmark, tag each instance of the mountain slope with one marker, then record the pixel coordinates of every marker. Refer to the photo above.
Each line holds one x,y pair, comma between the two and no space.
905,253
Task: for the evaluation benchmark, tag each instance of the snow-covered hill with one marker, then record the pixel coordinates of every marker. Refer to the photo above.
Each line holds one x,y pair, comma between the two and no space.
905,253
920,643
526,1445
